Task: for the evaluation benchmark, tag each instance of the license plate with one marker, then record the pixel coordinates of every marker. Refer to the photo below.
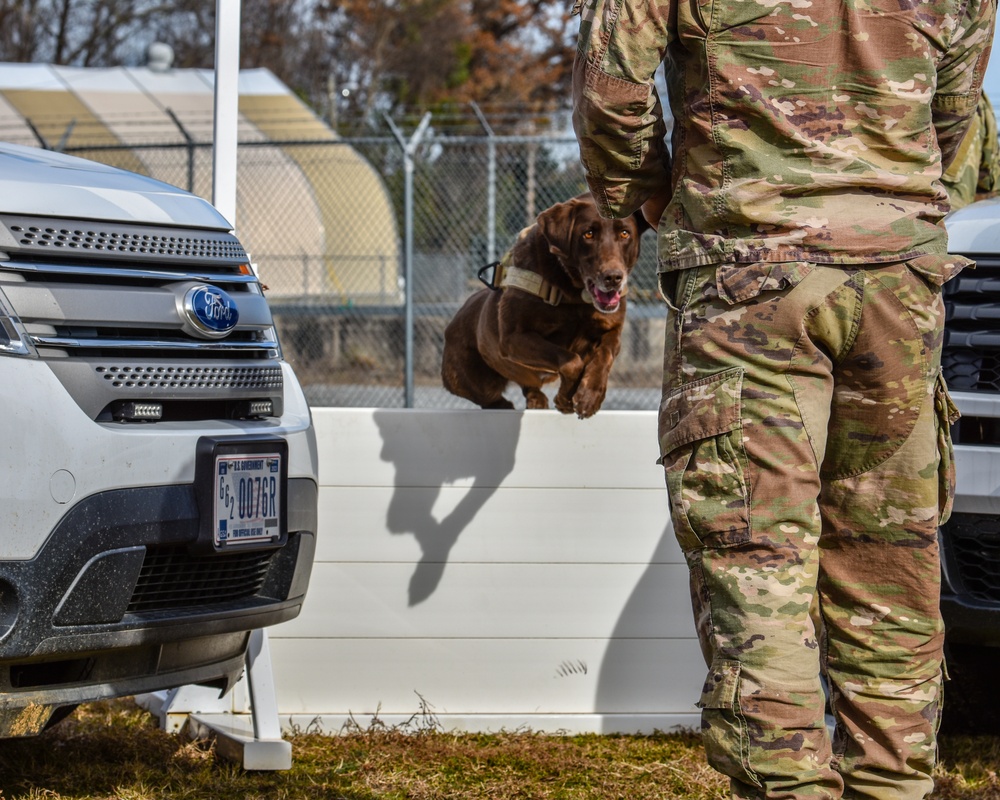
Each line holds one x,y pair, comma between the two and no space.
247,498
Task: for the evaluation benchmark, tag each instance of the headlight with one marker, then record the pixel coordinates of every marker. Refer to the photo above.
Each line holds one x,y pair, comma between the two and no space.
13,339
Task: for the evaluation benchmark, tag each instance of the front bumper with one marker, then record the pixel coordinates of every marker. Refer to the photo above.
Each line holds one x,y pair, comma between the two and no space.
121,601
970,587
970,540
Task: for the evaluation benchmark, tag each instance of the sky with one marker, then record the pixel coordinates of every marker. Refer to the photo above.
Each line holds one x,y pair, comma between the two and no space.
991,83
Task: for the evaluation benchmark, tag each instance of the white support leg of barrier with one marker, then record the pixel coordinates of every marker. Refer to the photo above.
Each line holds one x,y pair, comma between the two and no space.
251,737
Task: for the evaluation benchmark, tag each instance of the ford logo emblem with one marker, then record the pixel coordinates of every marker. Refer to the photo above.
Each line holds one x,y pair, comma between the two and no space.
210,312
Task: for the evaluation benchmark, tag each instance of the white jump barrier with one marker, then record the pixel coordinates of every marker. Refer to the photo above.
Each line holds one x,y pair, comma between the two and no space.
499,569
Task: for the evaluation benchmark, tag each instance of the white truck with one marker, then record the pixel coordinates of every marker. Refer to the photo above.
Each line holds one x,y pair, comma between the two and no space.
970,540
158,492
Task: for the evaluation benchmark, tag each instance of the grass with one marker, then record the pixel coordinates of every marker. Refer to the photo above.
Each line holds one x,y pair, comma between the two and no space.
116,750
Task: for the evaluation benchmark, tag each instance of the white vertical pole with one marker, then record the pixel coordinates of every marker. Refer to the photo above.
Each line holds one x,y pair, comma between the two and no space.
224,130
265,749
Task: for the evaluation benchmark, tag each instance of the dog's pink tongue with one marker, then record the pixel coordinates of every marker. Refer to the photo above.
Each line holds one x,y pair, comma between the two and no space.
606,298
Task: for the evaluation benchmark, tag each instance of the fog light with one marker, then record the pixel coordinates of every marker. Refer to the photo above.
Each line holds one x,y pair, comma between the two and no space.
255,408
9,607
135,412
13,341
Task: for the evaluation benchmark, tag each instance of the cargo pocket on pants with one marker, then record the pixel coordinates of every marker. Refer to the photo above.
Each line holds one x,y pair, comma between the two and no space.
947,415
723,729
702,453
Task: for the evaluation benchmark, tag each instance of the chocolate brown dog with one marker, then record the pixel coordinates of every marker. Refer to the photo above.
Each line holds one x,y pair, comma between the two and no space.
555,310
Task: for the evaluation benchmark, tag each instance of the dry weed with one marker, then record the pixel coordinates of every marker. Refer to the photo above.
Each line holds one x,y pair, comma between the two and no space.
115,750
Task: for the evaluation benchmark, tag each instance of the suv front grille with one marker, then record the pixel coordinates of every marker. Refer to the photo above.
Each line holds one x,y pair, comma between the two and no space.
106,306
121,240
191,377
971,356
172,578
972,544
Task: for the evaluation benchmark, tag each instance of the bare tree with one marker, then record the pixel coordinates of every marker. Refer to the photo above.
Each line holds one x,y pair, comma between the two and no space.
433,52
18,31
77,32
380,54
189,28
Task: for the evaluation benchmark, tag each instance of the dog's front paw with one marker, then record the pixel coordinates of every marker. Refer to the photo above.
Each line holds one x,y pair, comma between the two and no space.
564,403
587,402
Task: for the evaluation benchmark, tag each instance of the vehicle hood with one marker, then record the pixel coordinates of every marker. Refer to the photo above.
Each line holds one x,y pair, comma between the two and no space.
47,184
975,228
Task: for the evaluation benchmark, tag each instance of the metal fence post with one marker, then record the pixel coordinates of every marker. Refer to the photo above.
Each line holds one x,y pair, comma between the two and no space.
409,148
190,148
38,134
65,137
491,187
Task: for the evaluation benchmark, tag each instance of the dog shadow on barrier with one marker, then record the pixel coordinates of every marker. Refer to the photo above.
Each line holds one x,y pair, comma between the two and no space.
439,451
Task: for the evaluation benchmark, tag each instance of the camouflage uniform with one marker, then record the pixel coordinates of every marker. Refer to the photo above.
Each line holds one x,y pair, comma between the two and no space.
975,172
804,426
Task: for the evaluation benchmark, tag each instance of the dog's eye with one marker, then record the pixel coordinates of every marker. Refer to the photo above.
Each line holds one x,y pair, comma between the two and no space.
588,234
624,234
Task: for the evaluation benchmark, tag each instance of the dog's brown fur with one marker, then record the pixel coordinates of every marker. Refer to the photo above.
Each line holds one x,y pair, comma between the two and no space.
512,335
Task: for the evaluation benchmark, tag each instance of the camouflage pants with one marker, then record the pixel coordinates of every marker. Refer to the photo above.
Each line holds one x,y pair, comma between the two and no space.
804,434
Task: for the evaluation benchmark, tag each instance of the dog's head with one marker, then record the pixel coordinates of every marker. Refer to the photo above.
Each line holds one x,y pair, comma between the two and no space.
597,253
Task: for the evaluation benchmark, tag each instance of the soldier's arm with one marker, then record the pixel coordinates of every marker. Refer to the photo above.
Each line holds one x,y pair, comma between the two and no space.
616,112
989,165
960,76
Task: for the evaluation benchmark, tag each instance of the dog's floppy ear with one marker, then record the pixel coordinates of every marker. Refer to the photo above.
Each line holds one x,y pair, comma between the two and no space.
556,225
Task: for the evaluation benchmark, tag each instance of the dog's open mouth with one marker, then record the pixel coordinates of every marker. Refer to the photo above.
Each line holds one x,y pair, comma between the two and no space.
607,302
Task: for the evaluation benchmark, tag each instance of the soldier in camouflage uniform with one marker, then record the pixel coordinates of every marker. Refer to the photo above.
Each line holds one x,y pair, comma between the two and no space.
975,172
804,426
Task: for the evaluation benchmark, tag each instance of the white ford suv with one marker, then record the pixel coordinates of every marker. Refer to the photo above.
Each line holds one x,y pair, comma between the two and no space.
970,540
157,457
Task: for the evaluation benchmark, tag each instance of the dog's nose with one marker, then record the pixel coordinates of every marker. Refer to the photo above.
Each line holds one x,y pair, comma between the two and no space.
612,280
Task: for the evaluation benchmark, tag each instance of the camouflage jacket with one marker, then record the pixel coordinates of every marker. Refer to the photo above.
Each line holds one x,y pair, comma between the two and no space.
810,130
975,172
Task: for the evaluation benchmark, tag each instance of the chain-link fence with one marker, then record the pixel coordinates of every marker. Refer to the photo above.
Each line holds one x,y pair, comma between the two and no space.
369,245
